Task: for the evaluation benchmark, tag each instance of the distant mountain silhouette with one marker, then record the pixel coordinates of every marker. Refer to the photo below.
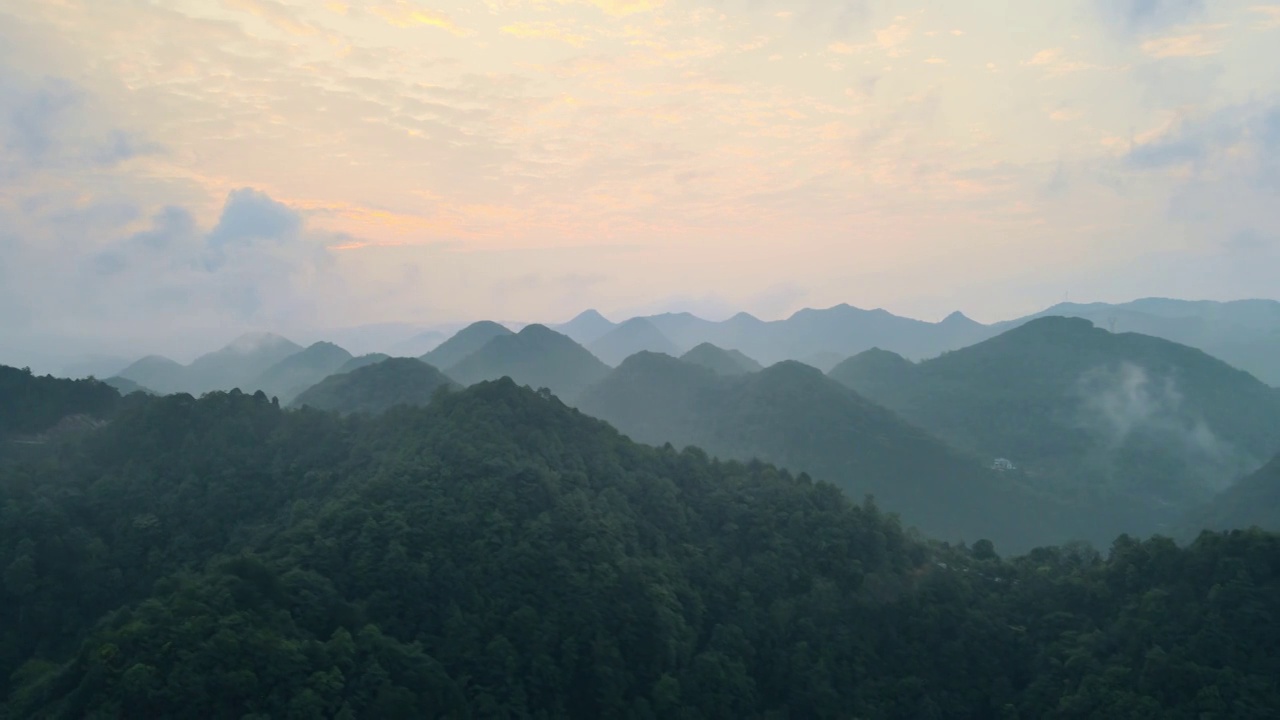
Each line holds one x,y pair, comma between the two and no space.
1251,501
822,337
156,372
238,364
1244,333
125,386
1124,420
536,356
792,414
466,341
300,371
372,389
721,361
420,344
356,363
633,336
586,328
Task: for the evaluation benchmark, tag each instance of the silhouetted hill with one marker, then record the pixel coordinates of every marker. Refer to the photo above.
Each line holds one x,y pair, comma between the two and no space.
300,371
791,414
372,389
633,336
721,361
1124,420
361,361
586,328
537,356
156,372
466,341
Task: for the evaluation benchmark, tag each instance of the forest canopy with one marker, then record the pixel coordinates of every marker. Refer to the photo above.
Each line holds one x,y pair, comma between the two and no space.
498,554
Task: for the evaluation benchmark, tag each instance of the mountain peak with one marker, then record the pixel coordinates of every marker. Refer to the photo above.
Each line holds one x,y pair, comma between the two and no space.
252,342
589,315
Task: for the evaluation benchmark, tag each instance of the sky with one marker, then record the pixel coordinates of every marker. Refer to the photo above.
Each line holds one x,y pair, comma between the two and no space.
179,172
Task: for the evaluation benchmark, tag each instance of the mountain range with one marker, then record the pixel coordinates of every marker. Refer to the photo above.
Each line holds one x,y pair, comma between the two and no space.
792,415
1125,420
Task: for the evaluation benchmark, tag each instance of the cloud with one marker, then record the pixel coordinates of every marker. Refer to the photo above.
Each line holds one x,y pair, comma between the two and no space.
276,14
1143,16
622,8
1270,16
545,30
257,264
406,14
1055,64
1192,45
1236,138
48,123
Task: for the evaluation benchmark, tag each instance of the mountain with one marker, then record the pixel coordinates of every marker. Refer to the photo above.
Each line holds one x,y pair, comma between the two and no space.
156,372
586,328
420,344
466,341
237,365
721,361
1252,501
497,554
373,389
792,415
1244,333
361,361
823,336
633,336
300,371
94,365
1137,423
536,356
125,386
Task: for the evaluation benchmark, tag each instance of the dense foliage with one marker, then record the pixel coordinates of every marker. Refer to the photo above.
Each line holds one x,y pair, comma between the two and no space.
375,388
30,405
497,554
1138,425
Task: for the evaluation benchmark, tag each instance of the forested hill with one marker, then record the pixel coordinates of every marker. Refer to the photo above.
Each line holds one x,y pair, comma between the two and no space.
497,554
1111,420
375,388
30,405
1252,501
792,415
